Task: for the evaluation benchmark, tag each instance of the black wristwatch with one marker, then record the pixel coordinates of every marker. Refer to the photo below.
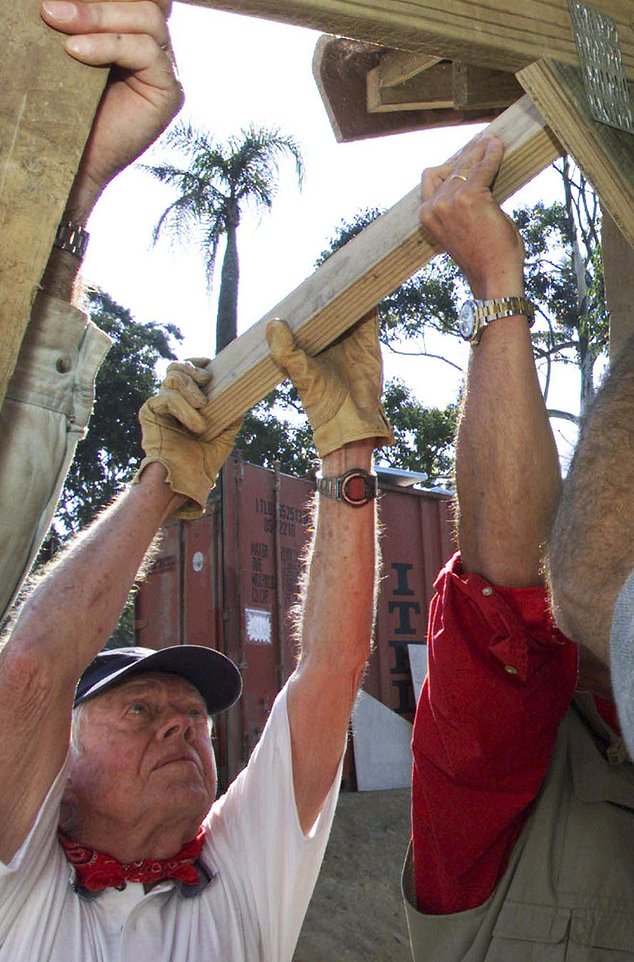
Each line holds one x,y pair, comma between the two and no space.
356,487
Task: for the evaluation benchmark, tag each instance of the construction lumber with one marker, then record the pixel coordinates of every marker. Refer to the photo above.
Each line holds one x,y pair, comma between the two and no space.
47,104
442,84
396,67
604,154
618,268
503,34
364,271
340,68
483,89
429,89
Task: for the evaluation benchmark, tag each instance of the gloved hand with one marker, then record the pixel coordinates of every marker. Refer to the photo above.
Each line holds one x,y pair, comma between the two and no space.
176,432
341,387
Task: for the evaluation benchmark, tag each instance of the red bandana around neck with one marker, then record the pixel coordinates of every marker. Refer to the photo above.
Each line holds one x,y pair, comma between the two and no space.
96,871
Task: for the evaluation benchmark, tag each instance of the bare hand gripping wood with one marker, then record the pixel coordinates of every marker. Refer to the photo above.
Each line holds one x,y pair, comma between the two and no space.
369,267
46,105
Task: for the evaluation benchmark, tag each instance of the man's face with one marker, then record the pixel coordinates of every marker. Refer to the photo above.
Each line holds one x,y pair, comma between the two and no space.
146,755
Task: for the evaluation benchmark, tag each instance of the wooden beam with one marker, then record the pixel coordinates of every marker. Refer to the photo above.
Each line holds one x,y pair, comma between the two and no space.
429,89
483,89
441,84
47,105
501,34
340,68
395,67
605,155
618,268
360,274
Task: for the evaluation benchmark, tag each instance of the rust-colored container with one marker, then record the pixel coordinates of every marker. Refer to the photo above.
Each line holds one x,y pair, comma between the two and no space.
229,581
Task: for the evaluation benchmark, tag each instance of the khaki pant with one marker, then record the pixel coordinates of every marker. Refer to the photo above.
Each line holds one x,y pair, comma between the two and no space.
44,415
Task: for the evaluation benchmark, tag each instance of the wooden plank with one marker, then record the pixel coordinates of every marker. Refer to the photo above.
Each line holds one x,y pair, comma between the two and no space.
430,89
618,267
396,67
368,268
442,84
340,68
46,108
482,88
501,34
605,155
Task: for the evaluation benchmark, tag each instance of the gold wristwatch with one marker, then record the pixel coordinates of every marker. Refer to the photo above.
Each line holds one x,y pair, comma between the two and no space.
474,316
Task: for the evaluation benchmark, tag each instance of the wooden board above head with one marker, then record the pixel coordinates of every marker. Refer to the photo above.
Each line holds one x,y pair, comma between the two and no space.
364,271
437,83
504,34
46,108
341,68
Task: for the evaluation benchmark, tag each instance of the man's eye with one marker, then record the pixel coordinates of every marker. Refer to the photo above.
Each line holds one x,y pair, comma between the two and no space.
137,708
196,713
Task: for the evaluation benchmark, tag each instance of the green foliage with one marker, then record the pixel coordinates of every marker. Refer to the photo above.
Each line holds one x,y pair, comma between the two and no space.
277,433
429,299
211,194
564,277
109,454
423,437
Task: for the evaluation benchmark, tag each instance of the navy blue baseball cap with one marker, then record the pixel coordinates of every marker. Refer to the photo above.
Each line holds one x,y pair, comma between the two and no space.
216,677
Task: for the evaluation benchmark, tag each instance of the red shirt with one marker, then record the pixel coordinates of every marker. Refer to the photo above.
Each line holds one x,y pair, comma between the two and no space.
500,680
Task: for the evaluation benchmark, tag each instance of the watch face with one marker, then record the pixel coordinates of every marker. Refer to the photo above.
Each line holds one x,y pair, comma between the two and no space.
355,490
467,320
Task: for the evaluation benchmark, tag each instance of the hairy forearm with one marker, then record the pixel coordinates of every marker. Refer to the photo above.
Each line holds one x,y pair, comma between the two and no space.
507,469
591,550
335,634
75,606
340,582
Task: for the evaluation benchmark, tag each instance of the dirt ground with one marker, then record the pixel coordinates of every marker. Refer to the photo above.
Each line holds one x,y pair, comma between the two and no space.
356,913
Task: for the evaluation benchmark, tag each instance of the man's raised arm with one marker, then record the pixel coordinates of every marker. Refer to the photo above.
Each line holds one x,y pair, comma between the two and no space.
340,390
507,470
49,399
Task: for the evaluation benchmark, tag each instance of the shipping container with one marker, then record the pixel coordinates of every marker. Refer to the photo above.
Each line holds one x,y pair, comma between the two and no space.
229,581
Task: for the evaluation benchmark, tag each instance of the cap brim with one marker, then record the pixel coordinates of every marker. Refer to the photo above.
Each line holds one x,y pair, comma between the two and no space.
214,675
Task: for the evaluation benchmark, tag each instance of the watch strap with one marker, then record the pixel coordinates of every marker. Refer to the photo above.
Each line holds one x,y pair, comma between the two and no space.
499,307
72,238
356,487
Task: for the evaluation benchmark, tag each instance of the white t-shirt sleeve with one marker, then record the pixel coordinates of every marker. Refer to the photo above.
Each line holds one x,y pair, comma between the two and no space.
622,660
255,829
37,857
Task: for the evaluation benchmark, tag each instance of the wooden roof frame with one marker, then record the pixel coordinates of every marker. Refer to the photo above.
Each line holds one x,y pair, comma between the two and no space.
49,103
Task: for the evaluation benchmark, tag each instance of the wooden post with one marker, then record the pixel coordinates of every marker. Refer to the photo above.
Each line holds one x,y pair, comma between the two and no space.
48,101
364,271
618,266
605,155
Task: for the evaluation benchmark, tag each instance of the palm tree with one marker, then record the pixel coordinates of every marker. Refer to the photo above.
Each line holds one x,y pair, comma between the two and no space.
221,179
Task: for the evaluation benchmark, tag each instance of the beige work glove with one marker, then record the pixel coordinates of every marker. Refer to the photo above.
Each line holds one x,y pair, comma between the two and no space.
340,388
176,432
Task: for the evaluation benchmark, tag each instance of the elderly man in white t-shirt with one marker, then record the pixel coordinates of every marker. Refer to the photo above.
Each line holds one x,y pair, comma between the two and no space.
111,843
